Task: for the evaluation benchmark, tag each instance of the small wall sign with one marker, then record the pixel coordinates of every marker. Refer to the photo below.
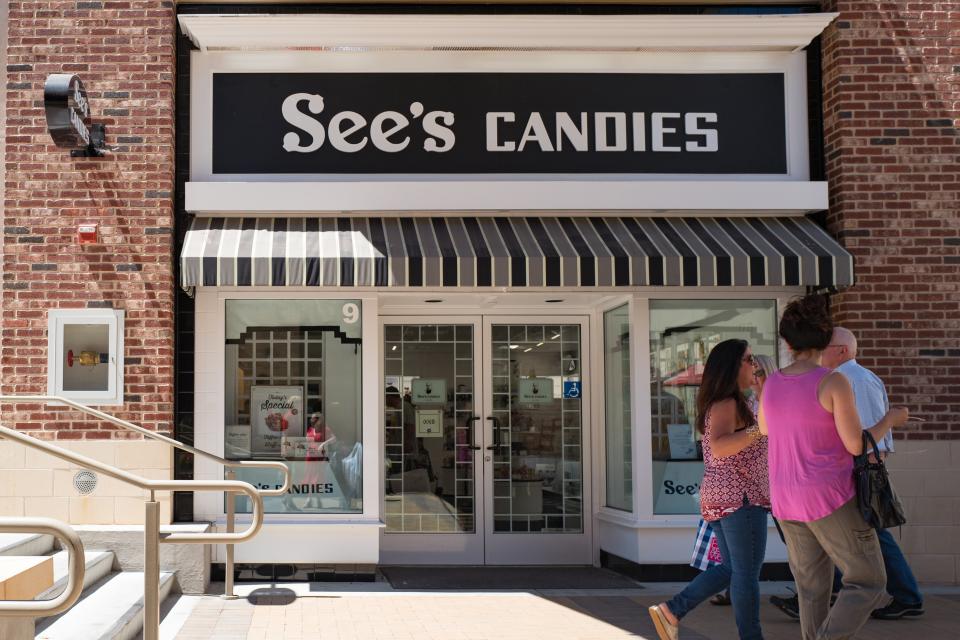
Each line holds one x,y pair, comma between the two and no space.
535,391
571,389
68,116
428,391
429,423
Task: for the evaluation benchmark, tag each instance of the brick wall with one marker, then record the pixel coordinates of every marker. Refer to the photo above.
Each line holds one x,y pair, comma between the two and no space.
891,115
124,53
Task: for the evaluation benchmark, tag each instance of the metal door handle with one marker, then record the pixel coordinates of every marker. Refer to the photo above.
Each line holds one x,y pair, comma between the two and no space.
470,421
496,433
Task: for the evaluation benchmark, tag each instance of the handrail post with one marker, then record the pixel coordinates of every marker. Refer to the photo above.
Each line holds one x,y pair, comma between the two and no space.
231,524
151,569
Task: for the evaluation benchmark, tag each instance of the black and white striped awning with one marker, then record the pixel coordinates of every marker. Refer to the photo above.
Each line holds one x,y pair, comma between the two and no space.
512,252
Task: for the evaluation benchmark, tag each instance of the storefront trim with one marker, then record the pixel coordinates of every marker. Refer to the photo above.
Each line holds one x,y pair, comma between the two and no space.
516,197
737,32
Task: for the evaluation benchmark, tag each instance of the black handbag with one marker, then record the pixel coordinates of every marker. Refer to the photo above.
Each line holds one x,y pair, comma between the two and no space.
876,499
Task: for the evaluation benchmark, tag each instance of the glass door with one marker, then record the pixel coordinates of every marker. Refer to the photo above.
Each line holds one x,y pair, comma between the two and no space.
536,447
485,441
432,442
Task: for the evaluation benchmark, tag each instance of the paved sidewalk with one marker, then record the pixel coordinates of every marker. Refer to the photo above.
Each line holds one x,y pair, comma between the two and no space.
373,611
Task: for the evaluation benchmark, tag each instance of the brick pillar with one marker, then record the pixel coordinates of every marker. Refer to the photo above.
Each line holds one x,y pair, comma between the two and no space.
124,53
891,76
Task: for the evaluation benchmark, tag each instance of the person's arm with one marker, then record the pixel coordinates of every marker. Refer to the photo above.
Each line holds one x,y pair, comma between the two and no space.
725,440
839,395
762,420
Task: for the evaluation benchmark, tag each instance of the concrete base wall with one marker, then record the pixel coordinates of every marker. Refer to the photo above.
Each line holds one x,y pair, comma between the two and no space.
191,562
926,476
36,484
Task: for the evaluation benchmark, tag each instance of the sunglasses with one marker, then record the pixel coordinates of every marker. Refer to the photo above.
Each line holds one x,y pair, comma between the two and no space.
750,359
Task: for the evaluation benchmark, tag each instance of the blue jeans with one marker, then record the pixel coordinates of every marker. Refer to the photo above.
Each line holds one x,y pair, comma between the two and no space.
901,583
742,537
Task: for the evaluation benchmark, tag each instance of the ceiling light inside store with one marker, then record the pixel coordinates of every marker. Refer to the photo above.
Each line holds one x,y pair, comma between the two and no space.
528,349
393,348
514,346
555,337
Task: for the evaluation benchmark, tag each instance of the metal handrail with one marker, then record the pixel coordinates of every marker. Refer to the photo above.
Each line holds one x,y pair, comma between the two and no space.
236,464
71,541
151,526
229,466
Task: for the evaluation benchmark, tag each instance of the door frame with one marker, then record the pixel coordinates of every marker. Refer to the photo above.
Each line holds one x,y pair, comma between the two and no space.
480,547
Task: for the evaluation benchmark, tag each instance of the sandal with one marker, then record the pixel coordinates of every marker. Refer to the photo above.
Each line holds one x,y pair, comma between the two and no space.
721,599
665,629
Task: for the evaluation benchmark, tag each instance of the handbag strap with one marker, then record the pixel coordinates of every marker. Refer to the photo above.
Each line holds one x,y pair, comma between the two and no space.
868,442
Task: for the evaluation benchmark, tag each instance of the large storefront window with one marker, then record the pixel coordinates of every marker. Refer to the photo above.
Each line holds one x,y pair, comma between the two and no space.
682,333
616,364
293,393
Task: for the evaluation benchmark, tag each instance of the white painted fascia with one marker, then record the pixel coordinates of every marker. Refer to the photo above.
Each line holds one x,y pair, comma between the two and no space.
519,196
366,32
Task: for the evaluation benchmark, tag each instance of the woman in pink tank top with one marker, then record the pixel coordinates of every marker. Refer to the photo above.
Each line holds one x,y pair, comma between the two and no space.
810,418
734,497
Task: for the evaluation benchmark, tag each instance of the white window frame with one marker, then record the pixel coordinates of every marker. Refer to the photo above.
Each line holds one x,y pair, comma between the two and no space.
57,321
209,392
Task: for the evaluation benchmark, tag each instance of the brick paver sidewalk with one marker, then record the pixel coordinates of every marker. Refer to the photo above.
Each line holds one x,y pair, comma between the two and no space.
281,614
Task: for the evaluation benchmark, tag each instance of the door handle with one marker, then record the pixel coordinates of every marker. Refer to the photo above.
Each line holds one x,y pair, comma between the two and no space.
470,421
496,433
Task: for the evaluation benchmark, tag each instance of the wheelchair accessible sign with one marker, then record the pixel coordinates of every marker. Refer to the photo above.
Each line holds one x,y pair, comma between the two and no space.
571,389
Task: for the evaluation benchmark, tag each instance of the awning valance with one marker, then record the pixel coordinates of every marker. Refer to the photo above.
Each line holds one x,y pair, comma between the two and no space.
512,252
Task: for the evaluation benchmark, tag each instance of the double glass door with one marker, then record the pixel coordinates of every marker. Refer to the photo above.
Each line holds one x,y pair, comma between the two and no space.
485,442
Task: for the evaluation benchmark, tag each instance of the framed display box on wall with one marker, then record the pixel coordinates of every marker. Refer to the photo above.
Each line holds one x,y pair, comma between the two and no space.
85,355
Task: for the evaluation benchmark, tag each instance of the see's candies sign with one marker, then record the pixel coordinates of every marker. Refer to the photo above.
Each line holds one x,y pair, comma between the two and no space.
67,110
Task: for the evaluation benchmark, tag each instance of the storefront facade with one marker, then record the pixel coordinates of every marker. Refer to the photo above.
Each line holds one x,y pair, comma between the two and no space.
460,270
421,259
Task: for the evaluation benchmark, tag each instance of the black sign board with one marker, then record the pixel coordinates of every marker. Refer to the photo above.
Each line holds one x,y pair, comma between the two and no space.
450,123
68,115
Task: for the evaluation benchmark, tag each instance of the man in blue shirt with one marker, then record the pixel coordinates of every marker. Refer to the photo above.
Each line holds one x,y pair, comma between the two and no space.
872,404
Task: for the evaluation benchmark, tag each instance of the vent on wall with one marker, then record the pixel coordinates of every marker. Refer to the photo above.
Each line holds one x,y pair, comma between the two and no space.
85,482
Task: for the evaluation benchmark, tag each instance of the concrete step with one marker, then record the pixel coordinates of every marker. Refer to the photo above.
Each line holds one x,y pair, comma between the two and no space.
111,609
98,564
25,544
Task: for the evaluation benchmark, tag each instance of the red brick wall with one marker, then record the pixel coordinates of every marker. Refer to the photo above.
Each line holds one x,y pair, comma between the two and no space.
891,76
124,53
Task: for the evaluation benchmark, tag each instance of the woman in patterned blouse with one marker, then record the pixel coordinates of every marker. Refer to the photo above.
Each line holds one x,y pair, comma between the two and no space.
734,494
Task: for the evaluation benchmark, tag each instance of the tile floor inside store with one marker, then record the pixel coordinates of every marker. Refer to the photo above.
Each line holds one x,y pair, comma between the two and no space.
373,611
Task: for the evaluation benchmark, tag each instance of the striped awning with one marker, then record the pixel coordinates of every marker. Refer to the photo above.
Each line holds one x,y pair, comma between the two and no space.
512,252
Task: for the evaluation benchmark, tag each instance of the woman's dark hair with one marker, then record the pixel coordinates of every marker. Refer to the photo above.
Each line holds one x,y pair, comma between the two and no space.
806,323
720,381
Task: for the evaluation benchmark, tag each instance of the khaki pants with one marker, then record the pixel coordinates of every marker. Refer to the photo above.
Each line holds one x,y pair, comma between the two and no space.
845,540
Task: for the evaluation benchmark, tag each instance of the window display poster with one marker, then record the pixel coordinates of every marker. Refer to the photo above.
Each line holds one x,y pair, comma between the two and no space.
275,412
236,441
314,487
428,391
682,444
677,486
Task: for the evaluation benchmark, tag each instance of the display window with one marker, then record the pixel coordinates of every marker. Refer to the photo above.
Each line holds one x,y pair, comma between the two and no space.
682,333
617,380
293,393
